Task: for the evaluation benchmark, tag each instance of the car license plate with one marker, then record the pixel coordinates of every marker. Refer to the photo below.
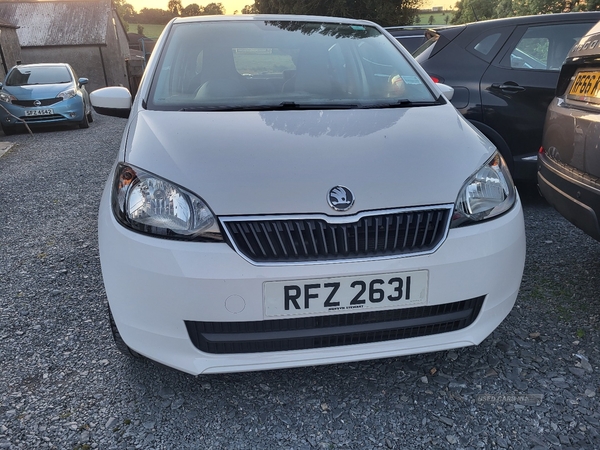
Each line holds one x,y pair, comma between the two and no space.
345,294
39,112
586,85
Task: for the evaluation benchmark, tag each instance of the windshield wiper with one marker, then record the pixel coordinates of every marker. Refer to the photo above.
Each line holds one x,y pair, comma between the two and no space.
402,103
283,106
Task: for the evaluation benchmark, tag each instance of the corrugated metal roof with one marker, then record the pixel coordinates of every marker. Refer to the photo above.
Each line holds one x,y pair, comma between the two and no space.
58,23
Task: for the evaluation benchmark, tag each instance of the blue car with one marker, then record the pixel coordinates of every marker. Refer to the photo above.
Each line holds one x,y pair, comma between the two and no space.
43,94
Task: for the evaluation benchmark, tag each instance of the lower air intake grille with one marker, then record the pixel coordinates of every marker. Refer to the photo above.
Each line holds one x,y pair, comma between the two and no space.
274,240
332,331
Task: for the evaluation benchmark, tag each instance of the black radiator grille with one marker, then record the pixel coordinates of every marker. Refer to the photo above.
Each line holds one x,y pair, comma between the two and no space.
33,119
43,102
316,239
332,330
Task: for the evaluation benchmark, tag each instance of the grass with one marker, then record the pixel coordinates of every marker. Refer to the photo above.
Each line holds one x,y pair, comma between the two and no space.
150,30
439,18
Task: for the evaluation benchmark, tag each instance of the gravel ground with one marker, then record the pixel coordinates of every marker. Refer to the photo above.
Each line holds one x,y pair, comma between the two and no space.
63,385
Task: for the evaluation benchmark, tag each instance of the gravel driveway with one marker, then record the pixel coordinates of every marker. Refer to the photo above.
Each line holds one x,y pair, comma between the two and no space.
63,385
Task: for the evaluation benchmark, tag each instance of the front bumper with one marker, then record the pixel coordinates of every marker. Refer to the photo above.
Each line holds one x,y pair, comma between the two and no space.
574,194
70,111
154,286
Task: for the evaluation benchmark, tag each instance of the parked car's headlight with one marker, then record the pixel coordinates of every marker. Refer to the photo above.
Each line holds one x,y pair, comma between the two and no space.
149,204
486,194
6,97
69,93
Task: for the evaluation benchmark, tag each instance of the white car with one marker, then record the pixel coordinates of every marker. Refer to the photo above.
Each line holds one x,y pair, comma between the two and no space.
293,191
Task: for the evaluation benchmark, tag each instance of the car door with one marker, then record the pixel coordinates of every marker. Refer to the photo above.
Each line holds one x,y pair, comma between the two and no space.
518,86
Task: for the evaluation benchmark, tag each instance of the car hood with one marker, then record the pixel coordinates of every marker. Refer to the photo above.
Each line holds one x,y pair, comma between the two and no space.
37,91
282,162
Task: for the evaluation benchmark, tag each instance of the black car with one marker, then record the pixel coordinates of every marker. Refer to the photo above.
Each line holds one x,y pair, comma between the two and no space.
504,74
569,161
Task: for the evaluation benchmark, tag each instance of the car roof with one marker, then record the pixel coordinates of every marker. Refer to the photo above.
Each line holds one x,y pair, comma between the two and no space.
273,17
42,65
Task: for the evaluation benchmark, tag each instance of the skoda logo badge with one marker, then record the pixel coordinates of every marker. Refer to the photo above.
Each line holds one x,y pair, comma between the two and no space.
340,198
37,103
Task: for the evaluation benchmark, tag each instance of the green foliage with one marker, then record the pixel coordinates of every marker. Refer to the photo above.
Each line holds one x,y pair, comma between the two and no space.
153,15
384,12
473,10
175,7
249,9
192,9
213,9
150,30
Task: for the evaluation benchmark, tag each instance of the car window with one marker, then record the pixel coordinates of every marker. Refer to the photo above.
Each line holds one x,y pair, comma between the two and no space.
546,47
21,76
219,64
487,44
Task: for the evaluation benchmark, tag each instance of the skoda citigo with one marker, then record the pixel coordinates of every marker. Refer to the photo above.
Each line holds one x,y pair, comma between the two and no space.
293,191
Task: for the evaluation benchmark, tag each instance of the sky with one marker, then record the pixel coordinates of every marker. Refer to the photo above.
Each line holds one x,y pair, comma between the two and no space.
232,5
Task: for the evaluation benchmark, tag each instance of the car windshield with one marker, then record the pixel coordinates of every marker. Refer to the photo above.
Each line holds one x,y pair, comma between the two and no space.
25,76
258,64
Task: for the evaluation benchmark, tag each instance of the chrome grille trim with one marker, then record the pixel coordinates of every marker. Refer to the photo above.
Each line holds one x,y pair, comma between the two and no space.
318,238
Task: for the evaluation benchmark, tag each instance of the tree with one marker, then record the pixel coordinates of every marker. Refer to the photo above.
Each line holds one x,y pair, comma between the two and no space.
125,11
249,9
192,10
213,9
474,10
431,20
384,12
154,16
174,7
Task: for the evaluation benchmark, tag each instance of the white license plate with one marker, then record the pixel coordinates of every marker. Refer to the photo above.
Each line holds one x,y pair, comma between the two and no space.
345,294
39,112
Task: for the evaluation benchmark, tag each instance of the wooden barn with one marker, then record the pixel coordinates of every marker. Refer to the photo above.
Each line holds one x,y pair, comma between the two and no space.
88,35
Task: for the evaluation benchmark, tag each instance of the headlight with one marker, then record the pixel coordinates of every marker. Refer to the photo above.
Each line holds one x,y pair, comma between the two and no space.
69,93
7,98
149,204
487,194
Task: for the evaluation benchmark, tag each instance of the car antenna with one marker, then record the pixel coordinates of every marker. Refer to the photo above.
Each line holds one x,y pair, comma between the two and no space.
474,13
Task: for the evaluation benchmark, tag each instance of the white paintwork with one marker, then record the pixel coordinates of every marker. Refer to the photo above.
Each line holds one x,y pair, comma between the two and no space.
116,97
448,91
285,162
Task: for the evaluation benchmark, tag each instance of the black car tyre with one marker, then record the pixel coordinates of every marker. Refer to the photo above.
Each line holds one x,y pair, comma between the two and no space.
85,123
119,342
90,117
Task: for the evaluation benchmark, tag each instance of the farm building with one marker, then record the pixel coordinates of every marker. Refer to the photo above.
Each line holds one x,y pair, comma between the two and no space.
10,49
86,34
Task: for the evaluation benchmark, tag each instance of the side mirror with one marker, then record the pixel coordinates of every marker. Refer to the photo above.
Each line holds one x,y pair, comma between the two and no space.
112,101
83,81
448,91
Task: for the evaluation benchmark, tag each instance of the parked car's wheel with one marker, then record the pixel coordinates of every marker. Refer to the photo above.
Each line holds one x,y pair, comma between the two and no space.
90,117
8,130
85,123
119,342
